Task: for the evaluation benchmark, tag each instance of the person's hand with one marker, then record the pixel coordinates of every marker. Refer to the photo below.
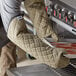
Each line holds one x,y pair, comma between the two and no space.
55,37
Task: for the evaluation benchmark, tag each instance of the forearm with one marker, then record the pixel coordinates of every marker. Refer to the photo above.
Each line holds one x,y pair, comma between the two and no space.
17,33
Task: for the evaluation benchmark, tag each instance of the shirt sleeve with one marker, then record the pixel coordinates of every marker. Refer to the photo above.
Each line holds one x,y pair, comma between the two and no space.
8,10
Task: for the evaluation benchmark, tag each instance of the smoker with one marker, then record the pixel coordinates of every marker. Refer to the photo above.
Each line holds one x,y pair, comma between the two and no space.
62,13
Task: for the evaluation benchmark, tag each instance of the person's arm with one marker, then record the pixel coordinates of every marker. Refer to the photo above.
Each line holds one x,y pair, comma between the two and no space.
33,45
17,33
8,10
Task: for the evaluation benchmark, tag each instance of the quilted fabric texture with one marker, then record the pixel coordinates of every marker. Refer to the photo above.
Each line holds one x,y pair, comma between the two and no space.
40,19
53,57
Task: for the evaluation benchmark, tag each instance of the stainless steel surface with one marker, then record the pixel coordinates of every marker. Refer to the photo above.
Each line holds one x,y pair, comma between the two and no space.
64,25
33,70
71,3
42,70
